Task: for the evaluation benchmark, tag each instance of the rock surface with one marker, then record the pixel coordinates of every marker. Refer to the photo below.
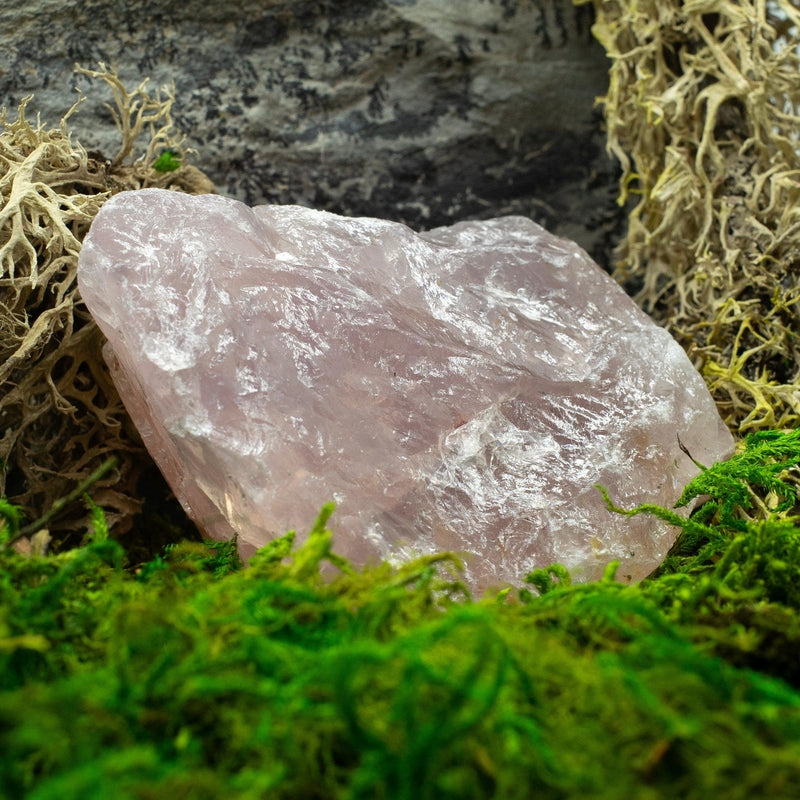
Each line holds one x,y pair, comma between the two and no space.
421,111
460,389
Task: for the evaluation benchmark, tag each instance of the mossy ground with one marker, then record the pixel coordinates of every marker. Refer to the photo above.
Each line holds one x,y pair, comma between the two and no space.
190,677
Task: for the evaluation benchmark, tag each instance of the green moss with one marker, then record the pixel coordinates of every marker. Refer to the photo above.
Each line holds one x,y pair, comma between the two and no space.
168,161
192,677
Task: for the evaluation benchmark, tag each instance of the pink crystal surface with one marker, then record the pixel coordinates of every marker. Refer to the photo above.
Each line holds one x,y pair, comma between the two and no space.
459,389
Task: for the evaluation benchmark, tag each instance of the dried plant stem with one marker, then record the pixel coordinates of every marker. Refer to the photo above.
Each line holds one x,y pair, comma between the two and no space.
60,504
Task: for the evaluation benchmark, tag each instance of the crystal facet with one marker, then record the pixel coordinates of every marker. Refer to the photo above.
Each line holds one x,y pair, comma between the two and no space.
459,389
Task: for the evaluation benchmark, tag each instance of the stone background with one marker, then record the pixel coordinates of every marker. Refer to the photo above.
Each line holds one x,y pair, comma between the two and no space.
423,111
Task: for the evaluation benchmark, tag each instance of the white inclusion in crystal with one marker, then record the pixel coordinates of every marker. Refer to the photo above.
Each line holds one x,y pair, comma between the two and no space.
374,535
298,425
483,454
248,380
229,505
460,365
193,425
226,339
167,353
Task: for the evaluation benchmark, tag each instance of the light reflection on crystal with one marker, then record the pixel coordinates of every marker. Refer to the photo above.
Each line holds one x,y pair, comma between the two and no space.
463,388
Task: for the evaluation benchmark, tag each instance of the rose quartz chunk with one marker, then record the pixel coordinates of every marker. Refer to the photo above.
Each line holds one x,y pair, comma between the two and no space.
459,389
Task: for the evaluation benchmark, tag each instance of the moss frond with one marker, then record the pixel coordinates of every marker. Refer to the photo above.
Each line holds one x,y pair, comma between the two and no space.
303,676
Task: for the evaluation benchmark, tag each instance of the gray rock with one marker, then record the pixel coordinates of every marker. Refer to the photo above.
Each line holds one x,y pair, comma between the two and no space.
421,111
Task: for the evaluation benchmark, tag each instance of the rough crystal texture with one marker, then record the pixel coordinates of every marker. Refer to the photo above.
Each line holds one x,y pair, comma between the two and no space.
460,389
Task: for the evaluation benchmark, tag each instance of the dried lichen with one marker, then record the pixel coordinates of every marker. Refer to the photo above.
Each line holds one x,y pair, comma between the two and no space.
61,415
139,115
701,112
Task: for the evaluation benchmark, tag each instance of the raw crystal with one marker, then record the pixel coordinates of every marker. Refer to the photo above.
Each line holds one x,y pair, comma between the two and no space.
459,389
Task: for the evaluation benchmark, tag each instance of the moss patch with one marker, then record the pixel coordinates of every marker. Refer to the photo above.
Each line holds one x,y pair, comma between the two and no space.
190,676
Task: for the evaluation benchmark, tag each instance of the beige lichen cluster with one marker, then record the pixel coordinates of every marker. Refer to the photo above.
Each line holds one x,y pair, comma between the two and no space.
701,112
60,415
